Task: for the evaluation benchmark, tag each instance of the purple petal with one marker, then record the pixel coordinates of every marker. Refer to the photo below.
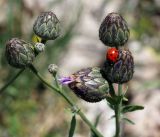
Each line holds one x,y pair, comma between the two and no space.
65,80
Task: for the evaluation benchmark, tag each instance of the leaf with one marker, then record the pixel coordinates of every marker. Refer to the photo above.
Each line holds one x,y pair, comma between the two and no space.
95,124
97,120
129,121
125,99
130,108
119,99
112,117
111,106
72,126
111,91
111,100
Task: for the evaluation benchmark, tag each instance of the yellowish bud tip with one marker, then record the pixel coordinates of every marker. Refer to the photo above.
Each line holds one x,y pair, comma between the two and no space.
36,39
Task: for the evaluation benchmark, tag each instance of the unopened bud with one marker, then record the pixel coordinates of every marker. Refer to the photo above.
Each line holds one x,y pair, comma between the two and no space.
120,70
88,84
114,31
19,53
47,26
52,68
39,47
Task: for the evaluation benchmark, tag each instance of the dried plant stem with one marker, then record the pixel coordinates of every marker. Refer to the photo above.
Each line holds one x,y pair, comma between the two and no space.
70,102
118,112
11,81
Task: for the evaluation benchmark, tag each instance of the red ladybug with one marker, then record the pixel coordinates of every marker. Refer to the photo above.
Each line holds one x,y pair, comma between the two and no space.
112,54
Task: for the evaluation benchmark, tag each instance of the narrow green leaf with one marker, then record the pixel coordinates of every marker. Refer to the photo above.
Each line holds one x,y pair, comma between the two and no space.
111,100
97,120
111,91
95,124
129,121
111,106
112,117
130,108
72,126
125,99
119,99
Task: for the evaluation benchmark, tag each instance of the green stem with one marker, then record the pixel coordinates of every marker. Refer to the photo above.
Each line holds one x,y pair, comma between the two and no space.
70,102
112,92
118,112
11,81
119,89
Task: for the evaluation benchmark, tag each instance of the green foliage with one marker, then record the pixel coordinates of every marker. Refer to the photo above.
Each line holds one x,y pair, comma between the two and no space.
128,121
72,126
18,102
14,126
95,124
130,108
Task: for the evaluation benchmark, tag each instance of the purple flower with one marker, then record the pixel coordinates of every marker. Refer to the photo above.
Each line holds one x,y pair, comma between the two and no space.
66,80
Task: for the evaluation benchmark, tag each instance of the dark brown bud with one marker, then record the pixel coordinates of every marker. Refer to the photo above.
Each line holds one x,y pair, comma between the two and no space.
19,53
89,84
121,70
114,31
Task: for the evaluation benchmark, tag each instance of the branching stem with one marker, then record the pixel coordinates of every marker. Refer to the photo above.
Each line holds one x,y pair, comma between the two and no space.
70,102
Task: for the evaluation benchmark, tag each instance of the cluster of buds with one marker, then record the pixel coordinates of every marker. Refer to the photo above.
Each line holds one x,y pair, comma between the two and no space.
119,64
20,53
92,84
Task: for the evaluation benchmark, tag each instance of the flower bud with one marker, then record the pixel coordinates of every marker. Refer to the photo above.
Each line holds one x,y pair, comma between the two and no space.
47,26
88,84
39,47
114,31
121,70
52,68
19,53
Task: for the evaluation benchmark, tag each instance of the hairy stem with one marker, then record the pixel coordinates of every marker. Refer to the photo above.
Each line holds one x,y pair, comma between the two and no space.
118,112
11,81
70,102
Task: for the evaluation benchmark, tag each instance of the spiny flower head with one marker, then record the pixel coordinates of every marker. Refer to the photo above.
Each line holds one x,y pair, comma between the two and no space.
47,26
114,31
19,53
88,84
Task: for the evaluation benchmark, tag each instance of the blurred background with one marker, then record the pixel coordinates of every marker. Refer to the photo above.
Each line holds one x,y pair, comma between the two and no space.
29,109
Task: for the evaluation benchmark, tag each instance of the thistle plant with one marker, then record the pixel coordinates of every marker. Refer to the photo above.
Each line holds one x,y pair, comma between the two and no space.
90,84
19,53
47,26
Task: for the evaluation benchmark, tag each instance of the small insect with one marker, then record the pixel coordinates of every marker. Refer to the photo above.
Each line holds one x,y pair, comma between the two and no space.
112,54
